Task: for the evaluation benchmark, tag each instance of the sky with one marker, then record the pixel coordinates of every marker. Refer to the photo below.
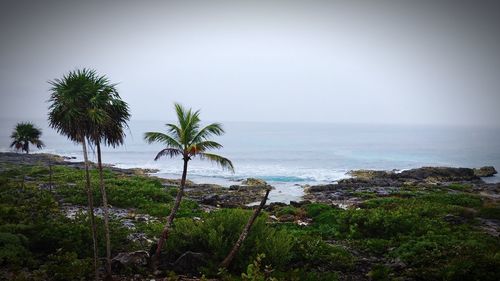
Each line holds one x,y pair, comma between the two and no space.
431,62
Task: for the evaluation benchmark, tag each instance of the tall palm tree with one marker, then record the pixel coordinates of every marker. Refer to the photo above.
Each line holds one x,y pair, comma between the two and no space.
69,115
25,133
109,115
187,140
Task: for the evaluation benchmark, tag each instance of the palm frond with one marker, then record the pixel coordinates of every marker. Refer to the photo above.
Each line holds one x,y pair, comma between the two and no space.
174,130
208,131
38,143
169,141
203,147
171,152
223,162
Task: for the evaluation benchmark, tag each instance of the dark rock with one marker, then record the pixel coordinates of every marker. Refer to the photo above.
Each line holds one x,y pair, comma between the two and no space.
212,200
439,173
397,265
454,219
189,262
286,218
125,260
321,188
276,204
487,171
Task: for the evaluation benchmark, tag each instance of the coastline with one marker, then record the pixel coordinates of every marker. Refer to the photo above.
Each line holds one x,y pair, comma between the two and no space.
370,206
343,192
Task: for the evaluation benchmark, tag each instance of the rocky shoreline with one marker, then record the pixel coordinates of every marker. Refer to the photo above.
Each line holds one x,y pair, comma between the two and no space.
344,193
349,192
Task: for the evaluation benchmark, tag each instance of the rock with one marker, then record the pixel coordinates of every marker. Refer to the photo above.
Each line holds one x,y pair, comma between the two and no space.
454,219
321,188
275,205
486,171
439,174
125,260
286,218
254,182
368,174
189,262
397,264
302,223
211,200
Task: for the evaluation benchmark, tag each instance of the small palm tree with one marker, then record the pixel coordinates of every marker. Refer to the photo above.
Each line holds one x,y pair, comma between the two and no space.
187,140
244,233
24,134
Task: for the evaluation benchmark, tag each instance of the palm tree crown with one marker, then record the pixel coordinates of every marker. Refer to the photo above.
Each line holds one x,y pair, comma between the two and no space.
69,100
24,134
186,139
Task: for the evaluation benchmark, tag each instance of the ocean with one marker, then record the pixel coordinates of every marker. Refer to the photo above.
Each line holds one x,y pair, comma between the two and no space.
292,155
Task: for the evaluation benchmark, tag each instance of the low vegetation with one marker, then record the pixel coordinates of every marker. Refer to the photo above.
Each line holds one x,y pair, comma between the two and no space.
415,234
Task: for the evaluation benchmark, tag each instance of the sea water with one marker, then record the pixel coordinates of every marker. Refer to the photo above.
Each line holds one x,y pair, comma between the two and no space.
290,156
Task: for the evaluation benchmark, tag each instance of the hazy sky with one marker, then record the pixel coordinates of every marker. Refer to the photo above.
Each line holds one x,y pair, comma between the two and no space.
431,62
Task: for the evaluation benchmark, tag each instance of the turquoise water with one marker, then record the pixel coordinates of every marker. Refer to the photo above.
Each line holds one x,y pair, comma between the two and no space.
292,154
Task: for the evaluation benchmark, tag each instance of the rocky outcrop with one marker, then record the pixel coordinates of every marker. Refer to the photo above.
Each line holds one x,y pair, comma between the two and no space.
347,192
254,182
219,196
189,262
441,174
133,260
486,171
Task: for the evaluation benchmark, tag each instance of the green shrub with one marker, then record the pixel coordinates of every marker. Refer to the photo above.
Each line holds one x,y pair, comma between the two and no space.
460,187
313,252
452,256
287,210
379,272
375,246
13,251
218,232
315,209
489,213
458,199
255,272
66,266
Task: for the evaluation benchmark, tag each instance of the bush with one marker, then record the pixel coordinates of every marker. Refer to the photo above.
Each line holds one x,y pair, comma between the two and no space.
66,266
489,213
218,232
379,272
13,251
451,256
312,252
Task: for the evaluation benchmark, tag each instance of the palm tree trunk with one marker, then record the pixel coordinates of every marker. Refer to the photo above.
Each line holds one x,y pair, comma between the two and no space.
173,212
227,261
50,175
105,208
90,199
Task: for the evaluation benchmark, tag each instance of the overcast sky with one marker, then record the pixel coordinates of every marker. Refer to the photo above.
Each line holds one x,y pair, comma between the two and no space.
431,62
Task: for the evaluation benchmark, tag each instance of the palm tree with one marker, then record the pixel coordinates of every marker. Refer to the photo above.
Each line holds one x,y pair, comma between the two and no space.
69,116
25,133
187,140
244,233
109,115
